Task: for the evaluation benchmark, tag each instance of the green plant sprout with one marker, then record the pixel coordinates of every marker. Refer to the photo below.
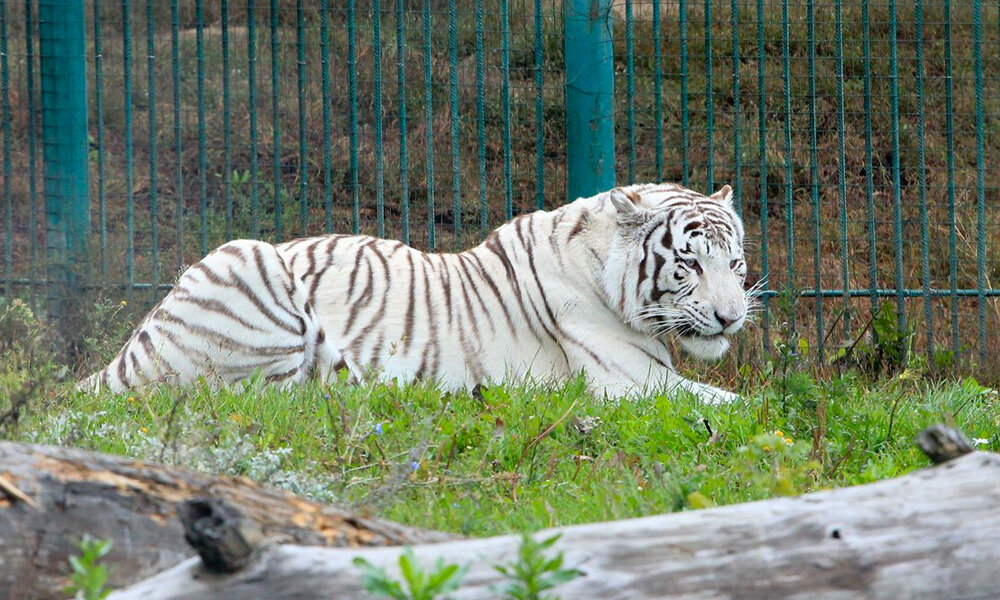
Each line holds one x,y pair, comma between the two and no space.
89,575
420,584
532,572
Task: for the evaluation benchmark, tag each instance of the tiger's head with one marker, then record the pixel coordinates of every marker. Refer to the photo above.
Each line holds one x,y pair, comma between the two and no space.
676,265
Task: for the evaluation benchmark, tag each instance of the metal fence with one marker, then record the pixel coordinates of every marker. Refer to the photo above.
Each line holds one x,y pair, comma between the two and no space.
856,135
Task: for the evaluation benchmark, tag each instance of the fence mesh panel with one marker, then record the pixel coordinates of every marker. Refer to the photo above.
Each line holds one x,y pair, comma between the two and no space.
856,136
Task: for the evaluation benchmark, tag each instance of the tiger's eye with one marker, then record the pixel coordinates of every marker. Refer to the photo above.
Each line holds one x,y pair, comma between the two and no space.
734,264
691,263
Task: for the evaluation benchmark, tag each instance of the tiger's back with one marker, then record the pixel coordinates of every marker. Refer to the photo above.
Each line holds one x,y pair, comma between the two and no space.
398,313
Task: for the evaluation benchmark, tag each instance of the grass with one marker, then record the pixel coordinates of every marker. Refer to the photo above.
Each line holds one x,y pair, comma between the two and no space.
527,457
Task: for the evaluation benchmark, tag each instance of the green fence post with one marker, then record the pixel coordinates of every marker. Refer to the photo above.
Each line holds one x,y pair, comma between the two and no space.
61,28
590,83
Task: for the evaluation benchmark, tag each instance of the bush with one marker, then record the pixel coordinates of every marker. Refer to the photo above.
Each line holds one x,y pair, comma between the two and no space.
28,367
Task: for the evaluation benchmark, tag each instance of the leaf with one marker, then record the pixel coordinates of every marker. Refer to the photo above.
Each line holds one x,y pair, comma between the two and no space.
377,581
553,564
74,562
386,587
564,575
441,576
699,500
532,572
406,567
103,547
454,579
548,543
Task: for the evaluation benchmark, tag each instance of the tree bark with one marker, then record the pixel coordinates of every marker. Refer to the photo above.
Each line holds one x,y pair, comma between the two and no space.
50,497
933,533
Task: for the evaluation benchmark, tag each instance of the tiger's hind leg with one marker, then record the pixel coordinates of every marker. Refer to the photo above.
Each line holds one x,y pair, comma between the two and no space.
237,312
322,360
329,361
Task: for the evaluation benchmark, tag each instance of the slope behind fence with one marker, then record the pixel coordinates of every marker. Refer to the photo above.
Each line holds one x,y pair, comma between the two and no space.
856,136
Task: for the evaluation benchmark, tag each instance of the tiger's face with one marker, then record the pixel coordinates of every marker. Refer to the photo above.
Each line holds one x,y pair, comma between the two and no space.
677,265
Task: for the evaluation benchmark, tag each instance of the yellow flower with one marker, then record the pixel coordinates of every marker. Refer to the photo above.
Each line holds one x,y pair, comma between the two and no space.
131,399
789,441
766,448
778,433
144,430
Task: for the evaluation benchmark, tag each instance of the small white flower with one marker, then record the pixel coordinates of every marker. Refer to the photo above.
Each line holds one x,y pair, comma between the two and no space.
979,441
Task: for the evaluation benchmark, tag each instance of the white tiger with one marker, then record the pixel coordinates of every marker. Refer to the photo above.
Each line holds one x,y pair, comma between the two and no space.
593,286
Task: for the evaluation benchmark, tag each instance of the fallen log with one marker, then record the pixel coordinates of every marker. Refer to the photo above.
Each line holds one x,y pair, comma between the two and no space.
50,497
929,534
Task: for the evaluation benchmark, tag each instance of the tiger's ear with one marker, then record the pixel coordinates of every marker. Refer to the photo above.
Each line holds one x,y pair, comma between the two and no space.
627,204
724,196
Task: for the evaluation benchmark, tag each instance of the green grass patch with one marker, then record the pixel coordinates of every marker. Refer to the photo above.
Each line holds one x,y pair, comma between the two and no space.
523,458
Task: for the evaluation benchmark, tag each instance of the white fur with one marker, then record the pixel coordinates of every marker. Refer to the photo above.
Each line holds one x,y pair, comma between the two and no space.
581,274
199,332
546,296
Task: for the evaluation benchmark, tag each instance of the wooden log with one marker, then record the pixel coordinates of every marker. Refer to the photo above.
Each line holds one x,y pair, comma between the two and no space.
933,533
50,497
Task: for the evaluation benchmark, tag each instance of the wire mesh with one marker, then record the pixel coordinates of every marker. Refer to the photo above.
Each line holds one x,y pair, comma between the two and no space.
856,136
857,133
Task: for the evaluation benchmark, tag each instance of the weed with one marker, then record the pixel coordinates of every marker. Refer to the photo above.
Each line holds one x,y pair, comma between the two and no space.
882,346
23,336
89,574
527,576
29,370
420,584
532,572
777,463
100,331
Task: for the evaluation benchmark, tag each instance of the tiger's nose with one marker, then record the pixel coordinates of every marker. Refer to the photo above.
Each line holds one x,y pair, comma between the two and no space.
725,320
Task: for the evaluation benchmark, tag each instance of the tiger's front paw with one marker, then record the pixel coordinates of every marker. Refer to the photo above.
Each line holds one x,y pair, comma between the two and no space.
716,396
